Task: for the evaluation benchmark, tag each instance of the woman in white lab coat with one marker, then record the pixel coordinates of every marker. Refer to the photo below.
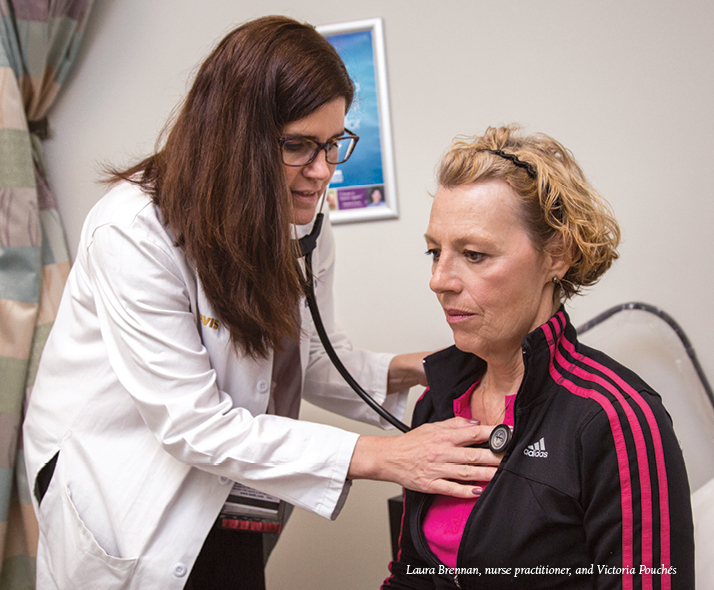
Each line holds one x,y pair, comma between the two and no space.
182,345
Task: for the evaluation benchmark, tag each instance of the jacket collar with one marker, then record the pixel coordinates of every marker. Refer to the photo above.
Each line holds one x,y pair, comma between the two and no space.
450,372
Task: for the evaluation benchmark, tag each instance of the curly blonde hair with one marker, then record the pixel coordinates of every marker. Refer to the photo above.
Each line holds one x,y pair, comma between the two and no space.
557,202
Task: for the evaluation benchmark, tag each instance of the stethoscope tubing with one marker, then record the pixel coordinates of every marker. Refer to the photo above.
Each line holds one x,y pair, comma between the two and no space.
309,289
501,435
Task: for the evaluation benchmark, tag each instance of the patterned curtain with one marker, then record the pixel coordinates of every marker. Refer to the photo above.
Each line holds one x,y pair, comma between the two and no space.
39,43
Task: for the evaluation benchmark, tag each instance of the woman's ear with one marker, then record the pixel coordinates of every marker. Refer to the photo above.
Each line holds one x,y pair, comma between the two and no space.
556,257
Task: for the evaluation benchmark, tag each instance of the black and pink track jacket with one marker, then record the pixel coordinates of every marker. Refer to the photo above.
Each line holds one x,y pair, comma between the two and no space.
592,491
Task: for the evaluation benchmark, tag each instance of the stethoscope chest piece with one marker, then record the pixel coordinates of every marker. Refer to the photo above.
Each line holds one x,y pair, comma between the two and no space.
499,439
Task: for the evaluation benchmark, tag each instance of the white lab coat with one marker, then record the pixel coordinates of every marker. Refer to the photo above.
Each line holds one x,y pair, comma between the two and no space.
154,414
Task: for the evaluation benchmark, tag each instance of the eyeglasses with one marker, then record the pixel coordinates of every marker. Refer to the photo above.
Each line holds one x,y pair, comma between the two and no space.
302,151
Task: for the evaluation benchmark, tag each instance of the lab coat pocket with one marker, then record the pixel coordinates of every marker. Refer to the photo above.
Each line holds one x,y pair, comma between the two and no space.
77,560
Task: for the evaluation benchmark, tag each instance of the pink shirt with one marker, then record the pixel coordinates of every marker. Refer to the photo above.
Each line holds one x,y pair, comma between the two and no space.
445,521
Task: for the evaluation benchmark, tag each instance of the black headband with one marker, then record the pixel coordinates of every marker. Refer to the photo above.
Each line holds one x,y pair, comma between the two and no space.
557,205
520,163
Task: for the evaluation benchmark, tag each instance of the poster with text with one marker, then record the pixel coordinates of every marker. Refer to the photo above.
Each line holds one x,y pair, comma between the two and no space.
363,188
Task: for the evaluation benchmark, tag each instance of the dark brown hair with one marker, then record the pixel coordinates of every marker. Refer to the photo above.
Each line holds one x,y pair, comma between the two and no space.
558,204
218,179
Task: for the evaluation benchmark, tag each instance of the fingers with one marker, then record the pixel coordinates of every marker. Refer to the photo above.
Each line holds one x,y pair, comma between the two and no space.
456,462
429,475
447,462
458,490
436,458
458,431
463,481
406,370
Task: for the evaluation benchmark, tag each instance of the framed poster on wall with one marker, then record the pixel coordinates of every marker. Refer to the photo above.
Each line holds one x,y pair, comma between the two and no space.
364,187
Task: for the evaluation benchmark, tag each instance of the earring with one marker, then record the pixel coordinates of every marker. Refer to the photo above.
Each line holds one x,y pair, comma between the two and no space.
556,281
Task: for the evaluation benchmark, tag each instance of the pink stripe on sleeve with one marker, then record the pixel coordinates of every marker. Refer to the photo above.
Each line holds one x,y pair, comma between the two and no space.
620,449
614,387
665,557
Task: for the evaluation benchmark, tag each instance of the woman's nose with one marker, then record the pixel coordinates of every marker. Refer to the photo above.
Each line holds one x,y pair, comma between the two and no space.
319,168
444,276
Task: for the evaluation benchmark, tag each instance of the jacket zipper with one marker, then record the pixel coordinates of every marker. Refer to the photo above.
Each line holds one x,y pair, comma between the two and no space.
422,546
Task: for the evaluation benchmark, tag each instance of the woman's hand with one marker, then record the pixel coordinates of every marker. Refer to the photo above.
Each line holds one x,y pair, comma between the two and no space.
434,458
405,371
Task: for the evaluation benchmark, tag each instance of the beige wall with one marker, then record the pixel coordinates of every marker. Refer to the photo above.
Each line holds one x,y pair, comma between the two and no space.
627,85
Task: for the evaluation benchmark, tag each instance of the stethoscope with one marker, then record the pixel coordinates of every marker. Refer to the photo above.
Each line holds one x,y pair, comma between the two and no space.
500,435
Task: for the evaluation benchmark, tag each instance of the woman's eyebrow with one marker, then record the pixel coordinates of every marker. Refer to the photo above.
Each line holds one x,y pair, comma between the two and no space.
312,137
461,240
